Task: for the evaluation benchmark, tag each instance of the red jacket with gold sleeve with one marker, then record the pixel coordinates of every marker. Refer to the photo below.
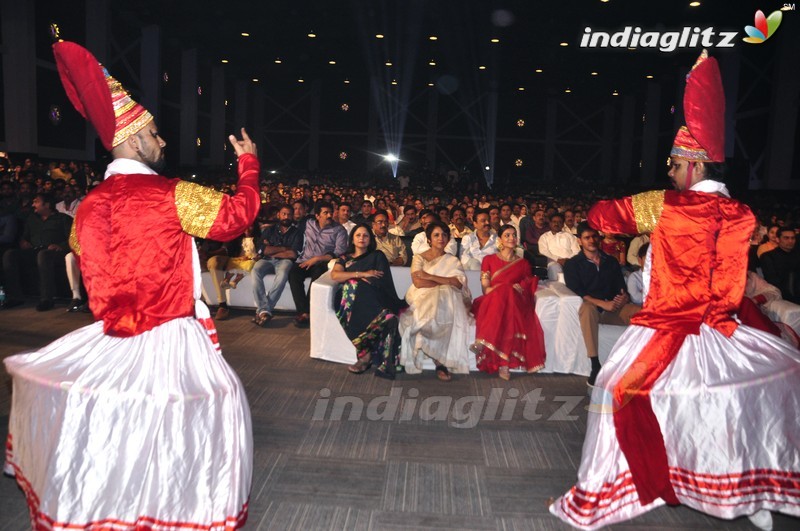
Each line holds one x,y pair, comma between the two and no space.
699,246
133,236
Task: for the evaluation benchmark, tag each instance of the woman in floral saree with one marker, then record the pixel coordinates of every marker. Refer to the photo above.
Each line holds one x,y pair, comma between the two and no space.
366,304
508,333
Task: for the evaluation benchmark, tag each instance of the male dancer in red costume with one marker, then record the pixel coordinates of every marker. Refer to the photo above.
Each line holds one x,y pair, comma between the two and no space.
136,421
691,407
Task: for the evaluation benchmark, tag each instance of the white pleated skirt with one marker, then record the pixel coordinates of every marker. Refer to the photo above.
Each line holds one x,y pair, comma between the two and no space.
729,412
151,431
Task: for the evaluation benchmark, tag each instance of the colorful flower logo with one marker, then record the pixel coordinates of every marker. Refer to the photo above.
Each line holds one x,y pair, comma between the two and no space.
764,28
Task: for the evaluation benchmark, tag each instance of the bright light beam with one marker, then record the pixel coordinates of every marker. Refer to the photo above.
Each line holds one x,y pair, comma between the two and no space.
390,158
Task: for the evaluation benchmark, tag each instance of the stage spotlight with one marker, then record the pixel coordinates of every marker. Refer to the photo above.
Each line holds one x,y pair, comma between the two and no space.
390,158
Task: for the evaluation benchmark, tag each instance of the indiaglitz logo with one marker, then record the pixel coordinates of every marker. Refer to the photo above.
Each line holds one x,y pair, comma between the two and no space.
633,37
765,27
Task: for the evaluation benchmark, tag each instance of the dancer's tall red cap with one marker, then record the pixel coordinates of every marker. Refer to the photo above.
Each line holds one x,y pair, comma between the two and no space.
702,139
98,96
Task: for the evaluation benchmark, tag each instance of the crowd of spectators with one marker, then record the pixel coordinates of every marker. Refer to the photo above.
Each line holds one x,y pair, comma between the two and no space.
545,215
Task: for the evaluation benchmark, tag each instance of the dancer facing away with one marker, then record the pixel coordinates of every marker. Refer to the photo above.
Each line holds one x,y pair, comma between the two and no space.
136,420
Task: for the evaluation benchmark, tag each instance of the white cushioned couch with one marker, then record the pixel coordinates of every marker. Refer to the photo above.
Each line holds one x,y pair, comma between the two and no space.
556,307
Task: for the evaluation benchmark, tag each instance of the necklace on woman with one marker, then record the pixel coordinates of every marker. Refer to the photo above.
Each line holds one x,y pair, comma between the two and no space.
513,256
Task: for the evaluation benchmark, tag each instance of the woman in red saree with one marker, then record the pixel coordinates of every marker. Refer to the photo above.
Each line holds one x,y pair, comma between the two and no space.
508,334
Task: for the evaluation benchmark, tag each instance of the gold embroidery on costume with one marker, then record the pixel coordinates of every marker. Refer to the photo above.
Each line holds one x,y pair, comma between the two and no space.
647,208
74,244
197,206
132,128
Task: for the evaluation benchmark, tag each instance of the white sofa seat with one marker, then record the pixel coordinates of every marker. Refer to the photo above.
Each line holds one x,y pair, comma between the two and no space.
242,296
785,312
556,307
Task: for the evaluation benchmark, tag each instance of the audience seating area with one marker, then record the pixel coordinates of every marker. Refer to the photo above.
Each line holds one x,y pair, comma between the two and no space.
556,307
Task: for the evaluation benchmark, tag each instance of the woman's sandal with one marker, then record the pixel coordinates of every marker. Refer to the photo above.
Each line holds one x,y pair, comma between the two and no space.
504,373
360,367
443,374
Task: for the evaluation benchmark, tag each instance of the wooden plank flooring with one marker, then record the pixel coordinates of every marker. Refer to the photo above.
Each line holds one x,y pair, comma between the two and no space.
420,454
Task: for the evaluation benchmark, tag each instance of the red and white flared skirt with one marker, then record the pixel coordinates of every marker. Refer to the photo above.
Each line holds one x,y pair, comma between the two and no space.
728,410
146,432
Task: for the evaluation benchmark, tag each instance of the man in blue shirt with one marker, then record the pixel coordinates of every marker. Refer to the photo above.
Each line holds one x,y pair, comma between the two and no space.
324,240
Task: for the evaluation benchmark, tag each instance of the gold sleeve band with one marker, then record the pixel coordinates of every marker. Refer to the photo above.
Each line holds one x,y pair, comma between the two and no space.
647,208
74,244
197,207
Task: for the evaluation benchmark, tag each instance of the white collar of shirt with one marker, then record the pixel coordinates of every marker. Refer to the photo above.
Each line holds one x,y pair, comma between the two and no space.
475,241
127,167
710,186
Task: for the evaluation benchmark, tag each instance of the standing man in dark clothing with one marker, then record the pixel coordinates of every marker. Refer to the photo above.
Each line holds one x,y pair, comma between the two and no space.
781,266
43,246
597,278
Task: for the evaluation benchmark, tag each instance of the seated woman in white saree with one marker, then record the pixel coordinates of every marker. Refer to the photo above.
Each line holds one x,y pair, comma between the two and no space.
437,322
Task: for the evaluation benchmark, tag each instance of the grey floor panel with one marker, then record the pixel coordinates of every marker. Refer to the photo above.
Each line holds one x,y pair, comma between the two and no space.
435,488
527,449
436,443
331,481
417,454
309,516
346,440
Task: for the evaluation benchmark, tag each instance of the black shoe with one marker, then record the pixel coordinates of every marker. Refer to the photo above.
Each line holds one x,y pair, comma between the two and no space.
75,305
593,377
10,303
44,306
385,375
595,371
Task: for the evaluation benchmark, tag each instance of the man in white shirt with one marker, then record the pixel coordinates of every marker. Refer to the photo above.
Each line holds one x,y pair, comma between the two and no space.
458,225
71,198
569,223
344,217
70,201
633,248
476,245
635,280
408,224
420,243
558,246
506,218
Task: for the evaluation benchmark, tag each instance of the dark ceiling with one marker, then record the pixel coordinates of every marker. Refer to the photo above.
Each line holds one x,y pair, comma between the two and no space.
530,33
